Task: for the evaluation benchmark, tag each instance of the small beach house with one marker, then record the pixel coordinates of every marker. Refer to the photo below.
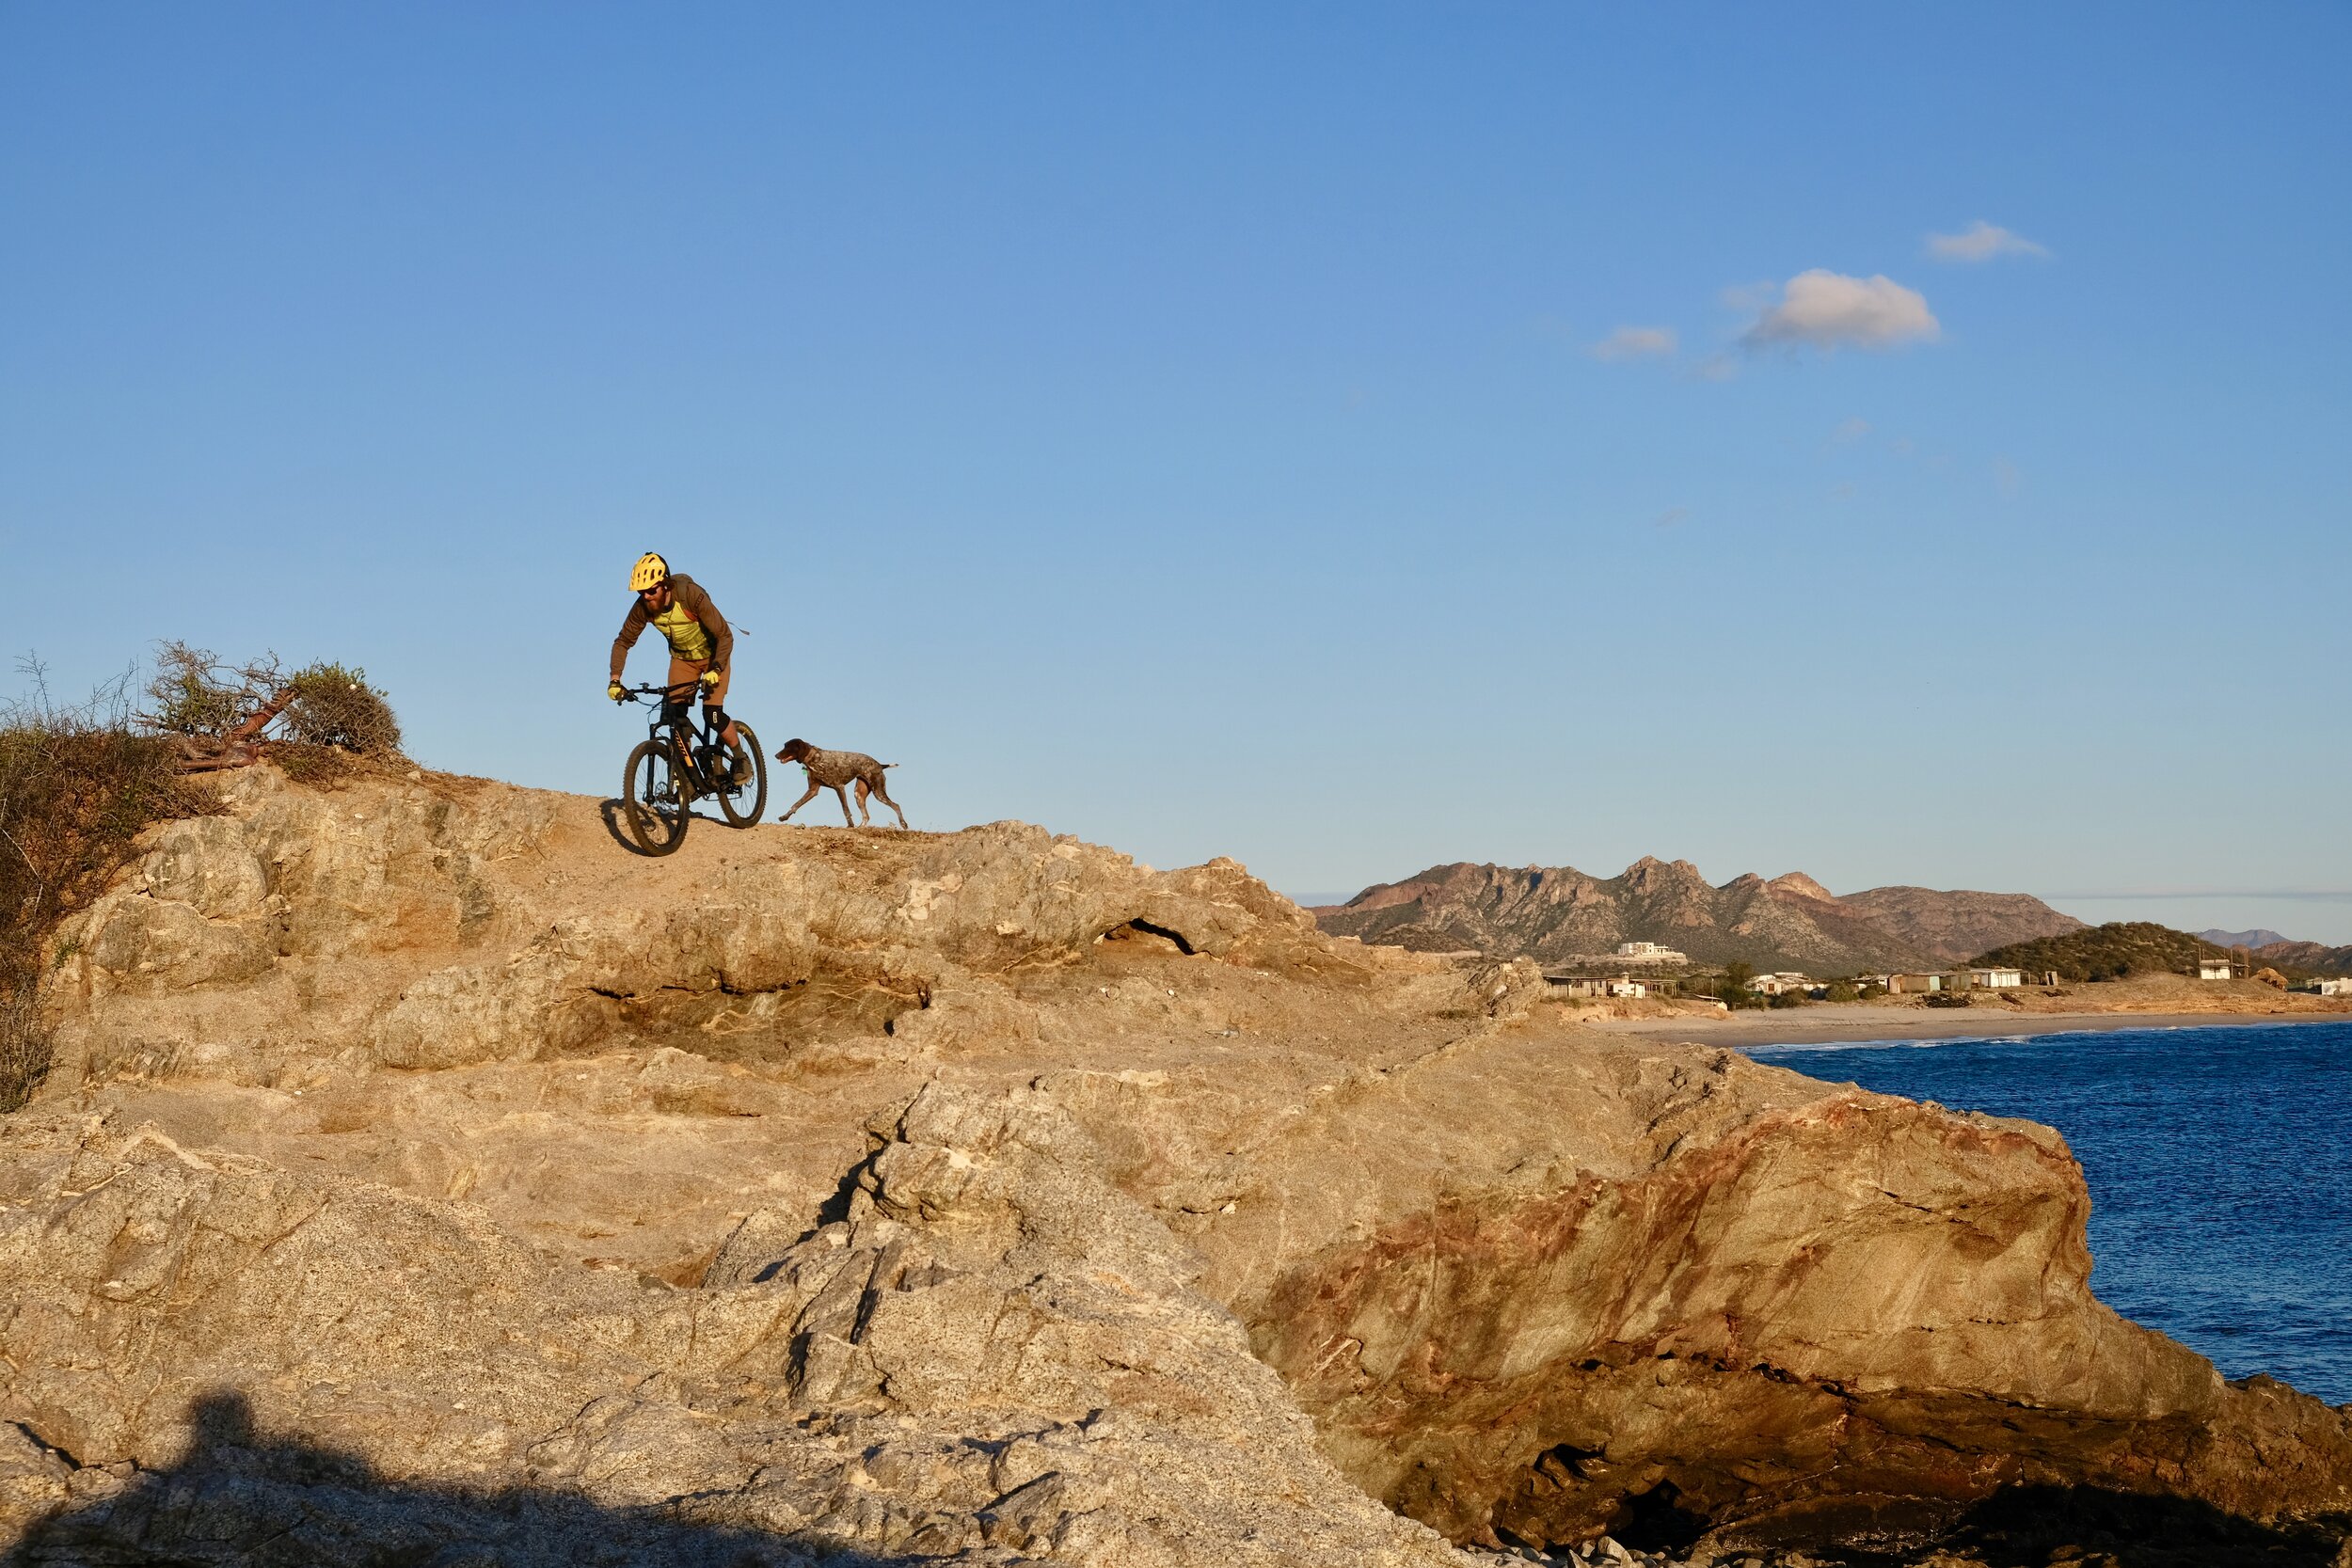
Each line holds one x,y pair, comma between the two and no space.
1996,977
1777,984
1900,984
1586,984
2213,969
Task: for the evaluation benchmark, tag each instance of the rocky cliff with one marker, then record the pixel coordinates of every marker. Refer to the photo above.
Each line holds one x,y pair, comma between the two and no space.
1557,914
428,1181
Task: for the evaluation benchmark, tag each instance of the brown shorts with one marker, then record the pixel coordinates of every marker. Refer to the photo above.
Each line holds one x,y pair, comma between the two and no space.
683,669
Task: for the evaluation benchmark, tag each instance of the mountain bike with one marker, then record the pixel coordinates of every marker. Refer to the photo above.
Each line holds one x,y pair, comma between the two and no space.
681,762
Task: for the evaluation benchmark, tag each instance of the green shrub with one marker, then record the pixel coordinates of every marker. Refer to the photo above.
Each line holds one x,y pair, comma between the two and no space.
335,706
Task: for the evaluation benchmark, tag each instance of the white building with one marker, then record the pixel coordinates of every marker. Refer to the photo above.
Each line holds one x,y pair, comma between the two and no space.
1774,985
1996,977
1650,953
2332,988
1592,986
2213,969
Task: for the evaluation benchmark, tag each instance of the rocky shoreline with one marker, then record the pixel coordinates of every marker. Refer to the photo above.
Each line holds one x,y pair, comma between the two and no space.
2095,1534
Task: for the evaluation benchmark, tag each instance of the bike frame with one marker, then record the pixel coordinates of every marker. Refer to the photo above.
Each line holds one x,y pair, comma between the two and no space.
684,735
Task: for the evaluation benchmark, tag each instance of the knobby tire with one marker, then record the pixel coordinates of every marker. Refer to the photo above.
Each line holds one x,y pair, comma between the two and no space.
657,817
754,793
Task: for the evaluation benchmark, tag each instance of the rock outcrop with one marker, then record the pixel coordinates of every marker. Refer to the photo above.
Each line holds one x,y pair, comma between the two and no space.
425,1175
1558,914
991,1355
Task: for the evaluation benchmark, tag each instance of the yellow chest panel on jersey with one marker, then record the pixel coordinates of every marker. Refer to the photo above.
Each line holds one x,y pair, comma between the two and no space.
688,637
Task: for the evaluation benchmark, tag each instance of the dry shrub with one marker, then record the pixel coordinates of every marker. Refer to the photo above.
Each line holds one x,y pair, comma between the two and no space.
195,692
25,1049
77,785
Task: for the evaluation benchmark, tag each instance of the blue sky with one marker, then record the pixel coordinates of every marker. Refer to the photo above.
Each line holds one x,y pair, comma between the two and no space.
1217,429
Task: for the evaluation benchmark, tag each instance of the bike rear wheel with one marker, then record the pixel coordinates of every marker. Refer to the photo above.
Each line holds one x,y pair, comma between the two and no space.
652,798
742,803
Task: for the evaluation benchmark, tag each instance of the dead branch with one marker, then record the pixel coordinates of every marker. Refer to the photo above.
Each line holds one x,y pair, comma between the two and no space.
260,718
242,747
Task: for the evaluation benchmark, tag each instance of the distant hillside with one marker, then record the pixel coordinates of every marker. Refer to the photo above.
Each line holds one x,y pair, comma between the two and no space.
2142,947
2306,957
1954,927
1555,914
2107,952
2259,937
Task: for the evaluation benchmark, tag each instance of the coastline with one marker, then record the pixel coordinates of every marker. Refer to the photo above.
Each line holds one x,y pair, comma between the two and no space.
1854,1024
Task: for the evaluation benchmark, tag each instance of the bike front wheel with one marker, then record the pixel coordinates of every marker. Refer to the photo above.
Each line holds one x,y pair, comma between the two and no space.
653,800
742,803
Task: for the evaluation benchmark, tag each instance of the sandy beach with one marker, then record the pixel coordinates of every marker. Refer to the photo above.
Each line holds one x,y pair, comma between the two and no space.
1833,1023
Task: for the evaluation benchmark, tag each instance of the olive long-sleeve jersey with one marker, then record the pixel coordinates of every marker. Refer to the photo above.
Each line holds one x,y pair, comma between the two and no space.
692,623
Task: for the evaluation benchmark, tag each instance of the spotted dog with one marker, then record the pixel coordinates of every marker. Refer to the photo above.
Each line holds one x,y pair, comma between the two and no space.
834,771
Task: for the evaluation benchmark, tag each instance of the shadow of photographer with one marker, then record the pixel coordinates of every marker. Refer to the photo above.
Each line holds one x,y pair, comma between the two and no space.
245,1496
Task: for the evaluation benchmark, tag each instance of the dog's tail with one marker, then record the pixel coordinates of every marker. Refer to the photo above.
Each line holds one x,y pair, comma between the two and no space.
890,765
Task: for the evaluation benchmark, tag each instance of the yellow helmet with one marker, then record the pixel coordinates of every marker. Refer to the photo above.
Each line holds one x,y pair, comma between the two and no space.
650,572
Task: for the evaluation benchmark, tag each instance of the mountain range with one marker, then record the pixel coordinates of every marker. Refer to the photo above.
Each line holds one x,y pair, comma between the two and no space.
1559,915
2296,957
2261,936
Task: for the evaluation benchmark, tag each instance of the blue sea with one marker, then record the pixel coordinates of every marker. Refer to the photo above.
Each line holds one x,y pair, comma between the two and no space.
2220,1170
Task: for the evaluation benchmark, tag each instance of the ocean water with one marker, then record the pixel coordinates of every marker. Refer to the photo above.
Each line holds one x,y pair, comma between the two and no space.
2220,1162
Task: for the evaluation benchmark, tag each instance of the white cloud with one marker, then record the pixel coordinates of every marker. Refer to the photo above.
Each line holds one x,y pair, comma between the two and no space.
1716,366
1669,517
1980,242
1850,431
1636,342
1830,310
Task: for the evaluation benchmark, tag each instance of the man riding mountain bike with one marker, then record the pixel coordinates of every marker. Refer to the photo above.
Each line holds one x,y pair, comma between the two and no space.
701,647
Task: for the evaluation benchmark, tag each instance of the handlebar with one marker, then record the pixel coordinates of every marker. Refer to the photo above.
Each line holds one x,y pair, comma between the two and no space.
641,693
